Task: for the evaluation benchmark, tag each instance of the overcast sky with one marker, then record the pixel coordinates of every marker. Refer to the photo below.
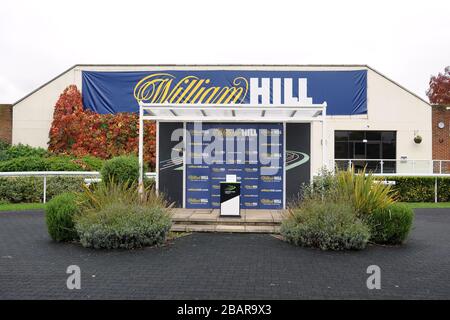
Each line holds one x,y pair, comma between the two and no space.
406,40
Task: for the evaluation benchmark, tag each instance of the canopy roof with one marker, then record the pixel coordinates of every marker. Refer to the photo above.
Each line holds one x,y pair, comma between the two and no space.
232,112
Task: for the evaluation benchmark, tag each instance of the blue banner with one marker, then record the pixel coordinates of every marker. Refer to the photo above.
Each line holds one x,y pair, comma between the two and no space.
345,92
260,174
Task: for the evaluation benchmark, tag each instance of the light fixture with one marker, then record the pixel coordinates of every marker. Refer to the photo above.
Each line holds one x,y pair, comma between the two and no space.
441,125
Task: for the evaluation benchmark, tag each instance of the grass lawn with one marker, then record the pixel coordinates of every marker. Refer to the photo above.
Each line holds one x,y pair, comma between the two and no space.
21,206
415,205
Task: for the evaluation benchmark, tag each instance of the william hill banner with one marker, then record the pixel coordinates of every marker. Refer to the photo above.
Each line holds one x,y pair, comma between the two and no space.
110,92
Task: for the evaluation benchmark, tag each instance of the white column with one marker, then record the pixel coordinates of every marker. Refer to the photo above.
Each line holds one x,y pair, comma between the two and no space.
141,150
324,137
157,157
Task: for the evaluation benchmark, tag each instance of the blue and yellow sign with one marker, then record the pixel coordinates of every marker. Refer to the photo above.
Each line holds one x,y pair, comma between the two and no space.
111,92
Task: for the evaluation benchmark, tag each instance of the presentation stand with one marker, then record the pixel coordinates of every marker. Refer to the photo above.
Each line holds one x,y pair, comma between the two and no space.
230,199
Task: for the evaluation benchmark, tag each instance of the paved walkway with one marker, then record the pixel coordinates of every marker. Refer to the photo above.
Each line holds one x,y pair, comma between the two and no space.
248,215
222,266
209,220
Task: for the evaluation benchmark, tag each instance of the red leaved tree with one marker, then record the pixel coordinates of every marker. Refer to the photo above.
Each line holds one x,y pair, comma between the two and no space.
439,91
80,132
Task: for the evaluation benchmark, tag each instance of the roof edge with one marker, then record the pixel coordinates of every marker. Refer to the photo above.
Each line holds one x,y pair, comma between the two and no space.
222,65
43,85
399,85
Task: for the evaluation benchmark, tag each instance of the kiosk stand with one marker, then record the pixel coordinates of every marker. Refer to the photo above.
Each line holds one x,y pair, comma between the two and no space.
230,197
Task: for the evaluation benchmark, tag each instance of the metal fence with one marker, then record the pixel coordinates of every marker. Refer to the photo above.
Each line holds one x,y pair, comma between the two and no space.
396,166
90,176
380,167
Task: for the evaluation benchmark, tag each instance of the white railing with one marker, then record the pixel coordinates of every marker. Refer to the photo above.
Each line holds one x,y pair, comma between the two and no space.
90,176
400,167
397,166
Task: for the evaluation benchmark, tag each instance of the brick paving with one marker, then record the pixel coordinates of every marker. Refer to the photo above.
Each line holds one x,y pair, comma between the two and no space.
222,266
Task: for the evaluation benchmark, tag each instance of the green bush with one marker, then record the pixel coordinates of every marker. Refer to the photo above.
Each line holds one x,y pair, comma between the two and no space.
114,215
62,163
91,163
21,189
59,185
32,163
4,145
122,169
101,195
30,189
364,191
420,189
123,226
391,225
51,163
21,150
325,225
59,216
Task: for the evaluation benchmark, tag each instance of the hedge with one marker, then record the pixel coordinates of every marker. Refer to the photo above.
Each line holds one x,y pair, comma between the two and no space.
30,189
391,225
52,163
122,169
420,189
20,150
59,217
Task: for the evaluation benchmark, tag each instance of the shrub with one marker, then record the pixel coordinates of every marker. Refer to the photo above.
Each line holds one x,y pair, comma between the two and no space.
21,150
51,163
79,132
21,189
124,226
91,163
59,185
122,169
101,195
62,163
391,225
325,225
30,189
59,216
115,215
32,163
420,189
4,145
365,191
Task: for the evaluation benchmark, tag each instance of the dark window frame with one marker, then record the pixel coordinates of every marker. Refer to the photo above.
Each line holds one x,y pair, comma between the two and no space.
354,144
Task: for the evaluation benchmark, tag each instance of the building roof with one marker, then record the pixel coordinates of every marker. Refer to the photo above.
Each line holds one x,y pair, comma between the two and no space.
224,65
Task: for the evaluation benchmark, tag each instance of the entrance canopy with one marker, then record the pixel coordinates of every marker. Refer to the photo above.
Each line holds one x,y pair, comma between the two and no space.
232,112
166,112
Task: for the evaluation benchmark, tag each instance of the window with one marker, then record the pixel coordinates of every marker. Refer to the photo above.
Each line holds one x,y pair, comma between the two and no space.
366,149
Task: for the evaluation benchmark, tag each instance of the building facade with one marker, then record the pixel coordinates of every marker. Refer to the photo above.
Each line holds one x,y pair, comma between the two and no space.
368,118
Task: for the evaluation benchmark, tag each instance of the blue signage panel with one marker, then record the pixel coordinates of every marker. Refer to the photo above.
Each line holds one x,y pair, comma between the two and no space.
111,92
252,152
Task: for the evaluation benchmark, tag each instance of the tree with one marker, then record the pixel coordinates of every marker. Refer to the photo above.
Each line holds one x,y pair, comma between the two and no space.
439,91
81,132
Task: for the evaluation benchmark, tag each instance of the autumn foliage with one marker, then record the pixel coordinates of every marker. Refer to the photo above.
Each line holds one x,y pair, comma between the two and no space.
439,91
79,132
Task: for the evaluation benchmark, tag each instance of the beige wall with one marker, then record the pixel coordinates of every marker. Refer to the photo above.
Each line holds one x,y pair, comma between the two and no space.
390,108
32,117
